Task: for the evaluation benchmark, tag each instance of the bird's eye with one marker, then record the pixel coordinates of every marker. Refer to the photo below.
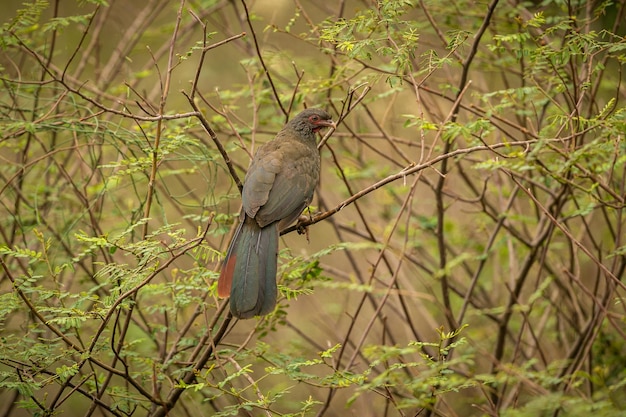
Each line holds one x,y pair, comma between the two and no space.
314,118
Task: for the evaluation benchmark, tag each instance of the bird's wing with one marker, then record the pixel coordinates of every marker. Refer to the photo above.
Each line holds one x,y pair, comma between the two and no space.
280,182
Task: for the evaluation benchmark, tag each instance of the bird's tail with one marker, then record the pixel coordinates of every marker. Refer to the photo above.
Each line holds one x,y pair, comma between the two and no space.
249,270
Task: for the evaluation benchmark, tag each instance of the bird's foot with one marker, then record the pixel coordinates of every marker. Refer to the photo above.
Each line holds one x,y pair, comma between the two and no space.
302,228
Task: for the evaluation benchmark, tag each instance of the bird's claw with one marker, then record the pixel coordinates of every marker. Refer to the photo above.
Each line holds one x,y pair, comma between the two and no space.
302,228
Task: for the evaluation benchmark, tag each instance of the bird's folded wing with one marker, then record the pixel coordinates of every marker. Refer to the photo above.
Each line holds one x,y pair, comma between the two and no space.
278,184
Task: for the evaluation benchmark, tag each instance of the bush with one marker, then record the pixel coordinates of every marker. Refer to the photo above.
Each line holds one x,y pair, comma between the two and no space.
465,253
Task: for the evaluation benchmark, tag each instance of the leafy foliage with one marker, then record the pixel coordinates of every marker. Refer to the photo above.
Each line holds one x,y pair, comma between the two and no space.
465,254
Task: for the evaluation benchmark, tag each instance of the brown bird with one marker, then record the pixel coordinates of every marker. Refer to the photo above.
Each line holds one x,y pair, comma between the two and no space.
279,185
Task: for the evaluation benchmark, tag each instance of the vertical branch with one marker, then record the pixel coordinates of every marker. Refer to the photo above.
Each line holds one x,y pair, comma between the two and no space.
439,194
262,61
159,128
192,94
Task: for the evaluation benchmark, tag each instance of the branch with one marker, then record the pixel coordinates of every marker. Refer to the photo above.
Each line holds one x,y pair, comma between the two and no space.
408,170
258,52
569,235
218,144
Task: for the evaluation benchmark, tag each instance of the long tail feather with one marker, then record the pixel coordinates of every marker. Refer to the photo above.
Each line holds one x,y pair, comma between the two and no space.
249,271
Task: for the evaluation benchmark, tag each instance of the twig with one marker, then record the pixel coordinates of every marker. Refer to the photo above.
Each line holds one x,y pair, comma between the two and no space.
207,127
408,170
569,235
349,99
262,61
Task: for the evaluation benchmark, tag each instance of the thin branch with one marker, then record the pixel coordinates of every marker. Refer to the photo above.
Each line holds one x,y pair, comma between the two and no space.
207,128
262,61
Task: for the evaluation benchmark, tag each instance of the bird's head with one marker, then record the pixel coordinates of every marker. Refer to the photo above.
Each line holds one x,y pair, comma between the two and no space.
312,120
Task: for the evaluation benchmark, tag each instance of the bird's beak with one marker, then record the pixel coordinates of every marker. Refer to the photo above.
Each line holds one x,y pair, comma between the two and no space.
328,123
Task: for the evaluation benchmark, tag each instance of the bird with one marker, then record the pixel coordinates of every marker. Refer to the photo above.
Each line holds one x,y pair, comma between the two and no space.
278,186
